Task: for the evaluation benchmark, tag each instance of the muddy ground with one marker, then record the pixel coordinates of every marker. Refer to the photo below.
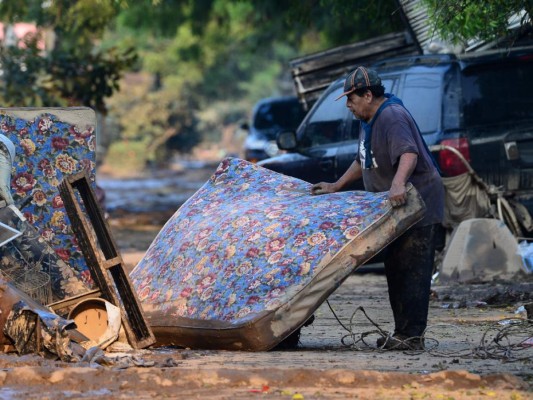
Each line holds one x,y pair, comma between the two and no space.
461,360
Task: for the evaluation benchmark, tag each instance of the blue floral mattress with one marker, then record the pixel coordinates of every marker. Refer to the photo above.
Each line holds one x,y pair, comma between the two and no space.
249,258
50,143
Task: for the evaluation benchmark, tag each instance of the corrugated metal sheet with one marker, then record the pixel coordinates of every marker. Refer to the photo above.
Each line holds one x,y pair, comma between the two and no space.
417,18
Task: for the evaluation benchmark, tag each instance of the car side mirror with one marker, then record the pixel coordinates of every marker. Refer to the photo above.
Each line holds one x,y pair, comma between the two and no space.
286,140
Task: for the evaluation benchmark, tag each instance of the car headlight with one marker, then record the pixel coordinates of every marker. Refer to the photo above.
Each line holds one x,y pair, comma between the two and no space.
271,149
252,143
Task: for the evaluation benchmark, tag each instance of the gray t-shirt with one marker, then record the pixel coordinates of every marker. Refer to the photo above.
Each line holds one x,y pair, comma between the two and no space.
394,133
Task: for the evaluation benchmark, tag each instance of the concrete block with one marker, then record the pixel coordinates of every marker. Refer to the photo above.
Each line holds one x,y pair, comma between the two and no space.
481,250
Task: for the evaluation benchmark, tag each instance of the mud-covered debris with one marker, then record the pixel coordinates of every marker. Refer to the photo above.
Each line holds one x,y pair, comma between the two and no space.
508,297
35,330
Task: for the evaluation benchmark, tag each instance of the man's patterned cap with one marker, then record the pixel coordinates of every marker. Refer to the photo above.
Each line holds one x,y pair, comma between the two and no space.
360,78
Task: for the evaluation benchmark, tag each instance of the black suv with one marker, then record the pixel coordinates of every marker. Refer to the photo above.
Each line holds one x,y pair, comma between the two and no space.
480,104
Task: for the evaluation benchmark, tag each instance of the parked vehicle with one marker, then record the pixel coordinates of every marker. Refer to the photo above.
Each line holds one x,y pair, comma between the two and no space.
269,117
479,103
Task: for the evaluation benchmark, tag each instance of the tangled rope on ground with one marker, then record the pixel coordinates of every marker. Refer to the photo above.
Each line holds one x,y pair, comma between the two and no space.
507,340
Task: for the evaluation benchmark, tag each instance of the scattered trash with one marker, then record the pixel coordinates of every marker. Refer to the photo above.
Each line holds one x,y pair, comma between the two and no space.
96,355
525,251
464,304
510,321
31,264
32,328
97,319
521,312
508,297
435,277
41,263
264,389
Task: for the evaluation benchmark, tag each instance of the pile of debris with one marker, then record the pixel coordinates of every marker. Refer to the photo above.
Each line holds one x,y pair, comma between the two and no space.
61,295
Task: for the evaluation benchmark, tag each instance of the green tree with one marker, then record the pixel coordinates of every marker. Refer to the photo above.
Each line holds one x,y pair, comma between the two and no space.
201,54
213,52
459,21
75,71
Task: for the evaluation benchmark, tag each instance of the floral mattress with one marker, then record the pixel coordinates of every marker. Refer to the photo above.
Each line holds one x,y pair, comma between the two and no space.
248,259
50,143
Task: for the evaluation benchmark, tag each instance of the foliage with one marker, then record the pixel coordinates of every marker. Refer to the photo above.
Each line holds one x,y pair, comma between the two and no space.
199,53
197,65
89,78
23,80
222,56
153,117
75,72
459,21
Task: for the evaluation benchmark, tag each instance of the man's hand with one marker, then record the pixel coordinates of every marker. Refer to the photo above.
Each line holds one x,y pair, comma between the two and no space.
406,166
397,195
323,188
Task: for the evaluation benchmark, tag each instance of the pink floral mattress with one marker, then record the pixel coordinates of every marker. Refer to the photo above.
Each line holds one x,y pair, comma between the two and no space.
252,247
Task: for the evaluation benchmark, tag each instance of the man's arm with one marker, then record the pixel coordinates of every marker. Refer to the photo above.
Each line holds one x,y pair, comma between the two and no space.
406,166
353,173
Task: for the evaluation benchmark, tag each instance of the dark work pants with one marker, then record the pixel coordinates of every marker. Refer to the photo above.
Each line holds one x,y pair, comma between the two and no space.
408,267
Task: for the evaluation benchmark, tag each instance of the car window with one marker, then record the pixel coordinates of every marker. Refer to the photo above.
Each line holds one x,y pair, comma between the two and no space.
390,84
327,122
284,115
422,96
498,93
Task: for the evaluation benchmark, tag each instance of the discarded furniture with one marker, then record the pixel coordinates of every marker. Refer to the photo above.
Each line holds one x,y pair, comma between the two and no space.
33,266
50,143
103,257
248,259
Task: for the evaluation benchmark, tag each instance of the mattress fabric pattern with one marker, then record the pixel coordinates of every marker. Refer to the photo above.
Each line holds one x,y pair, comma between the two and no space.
50,143
245,243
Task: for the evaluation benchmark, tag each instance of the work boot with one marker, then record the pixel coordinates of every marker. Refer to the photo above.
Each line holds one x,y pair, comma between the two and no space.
400,342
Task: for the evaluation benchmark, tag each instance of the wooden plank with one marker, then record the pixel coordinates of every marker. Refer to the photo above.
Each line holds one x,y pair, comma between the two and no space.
111,262
103,258
313,73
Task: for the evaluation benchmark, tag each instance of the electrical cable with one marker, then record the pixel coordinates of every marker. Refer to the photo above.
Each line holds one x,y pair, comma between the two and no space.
508,340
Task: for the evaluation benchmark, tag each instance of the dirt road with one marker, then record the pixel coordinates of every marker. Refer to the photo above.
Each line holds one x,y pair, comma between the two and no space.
322,367
461,360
